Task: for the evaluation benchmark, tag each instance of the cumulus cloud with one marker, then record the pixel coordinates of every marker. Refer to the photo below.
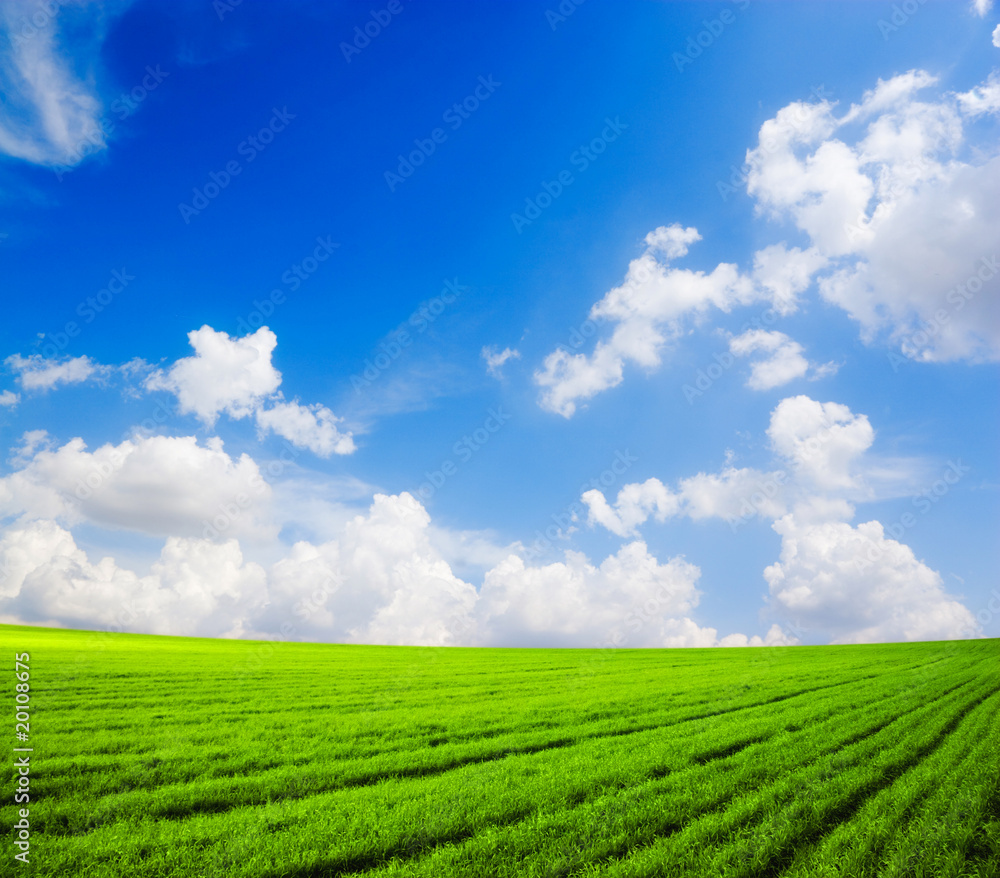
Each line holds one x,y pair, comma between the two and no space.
983,98
382,579
784,361
981,7
899,211
52,112
636,503
158,485
996,36
824,466
630,598
775,637
842,582
904,219
236,376
8,399
726,494
196,587
785,272
823,441
313,427
35,372
495,359
855,585
231,375
645,312
820,448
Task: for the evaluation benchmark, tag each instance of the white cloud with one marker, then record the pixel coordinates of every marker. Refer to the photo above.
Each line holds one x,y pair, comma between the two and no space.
646,311
165,486
822,192
195,588
231,375
903,218
855,585
775,637
31,441
382,579
52,110
236,376
313,427
784,273
823,441
635,503
784,362
655,304
672,242
996,36
732,493
848,583
495,359
37,373
983,98
901,222
629,599
9,398
981,7
727,495
825,466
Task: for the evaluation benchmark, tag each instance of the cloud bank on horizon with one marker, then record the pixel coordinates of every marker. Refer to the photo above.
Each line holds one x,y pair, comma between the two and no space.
245,513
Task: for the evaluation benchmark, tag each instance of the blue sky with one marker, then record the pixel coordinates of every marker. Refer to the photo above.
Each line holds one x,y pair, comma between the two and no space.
645,324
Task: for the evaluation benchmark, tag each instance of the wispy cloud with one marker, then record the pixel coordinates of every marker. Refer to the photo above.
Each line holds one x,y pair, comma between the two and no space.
37,373
495,359
51,106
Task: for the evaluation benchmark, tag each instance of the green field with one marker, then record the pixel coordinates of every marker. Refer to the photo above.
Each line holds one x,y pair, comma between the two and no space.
185,757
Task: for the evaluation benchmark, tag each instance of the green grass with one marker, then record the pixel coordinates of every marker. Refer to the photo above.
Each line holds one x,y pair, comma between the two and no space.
187,757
